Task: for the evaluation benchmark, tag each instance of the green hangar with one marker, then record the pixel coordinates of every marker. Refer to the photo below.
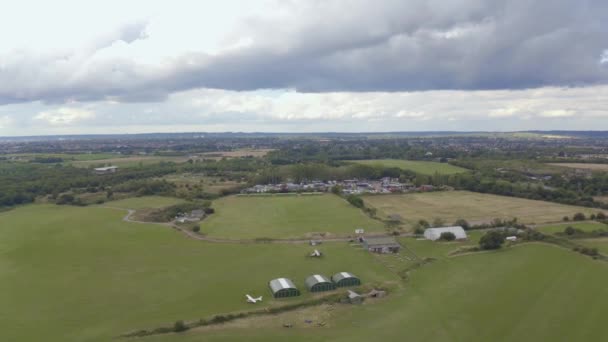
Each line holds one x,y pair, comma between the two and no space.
319,283
283,287
343,279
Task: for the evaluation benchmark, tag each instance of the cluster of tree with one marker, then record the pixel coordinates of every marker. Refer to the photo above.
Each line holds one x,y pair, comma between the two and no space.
169,213
600,216
447,236
593,252
573,232
493,239
324,172
46,160
21,183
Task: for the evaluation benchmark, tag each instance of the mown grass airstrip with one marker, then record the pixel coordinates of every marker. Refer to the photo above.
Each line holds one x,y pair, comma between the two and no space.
524,293
82,274
281,216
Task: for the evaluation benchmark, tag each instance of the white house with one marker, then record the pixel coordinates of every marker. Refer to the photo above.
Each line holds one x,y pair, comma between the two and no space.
105,170
435,233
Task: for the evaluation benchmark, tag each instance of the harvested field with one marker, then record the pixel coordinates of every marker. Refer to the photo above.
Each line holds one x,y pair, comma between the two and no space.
583,166
474,207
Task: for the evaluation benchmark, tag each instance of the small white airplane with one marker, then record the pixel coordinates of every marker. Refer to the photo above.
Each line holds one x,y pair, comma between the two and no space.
315,253
253,300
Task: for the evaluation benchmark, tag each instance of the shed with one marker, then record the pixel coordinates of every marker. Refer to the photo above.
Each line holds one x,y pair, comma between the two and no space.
343,279
283,287
319,283
354,297
381,245
435,233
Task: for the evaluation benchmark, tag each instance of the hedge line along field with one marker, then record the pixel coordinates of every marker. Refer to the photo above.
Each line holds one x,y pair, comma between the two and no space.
422,167
248,217
151,202
524,293
82,274
584,226
474,207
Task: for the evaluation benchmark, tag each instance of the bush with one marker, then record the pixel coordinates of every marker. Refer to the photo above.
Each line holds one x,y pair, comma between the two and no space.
179,326
463,223
424,224
491,240
566,219
570,230
196,228
447,236
578,217
355,201
600,216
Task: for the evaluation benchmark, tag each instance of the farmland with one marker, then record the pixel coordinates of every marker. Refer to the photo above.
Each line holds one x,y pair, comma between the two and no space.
583,166
82,274
474,207
422,167
465,298
128,161
284,217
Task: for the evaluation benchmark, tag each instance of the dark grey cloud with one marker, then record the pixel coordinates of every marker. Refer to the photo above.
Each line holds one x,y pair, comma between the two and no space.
323,46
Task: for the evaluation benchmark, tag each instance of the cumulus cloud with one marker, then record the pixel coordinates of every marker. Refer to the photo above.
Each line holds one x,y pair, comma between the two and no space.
64,116
336,46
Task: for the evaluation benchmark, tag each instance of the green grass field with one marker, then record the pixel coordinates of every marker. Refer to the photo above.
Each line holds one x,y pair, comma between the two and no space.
144,202
584,226
423,167
128,161
66,156
600,243
285,217
82,274
509,295
474,207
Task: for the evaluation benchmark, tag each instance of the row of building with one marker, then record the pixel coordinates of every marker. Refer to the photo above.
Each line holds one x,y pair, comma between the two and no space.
284,287
349,186
388,244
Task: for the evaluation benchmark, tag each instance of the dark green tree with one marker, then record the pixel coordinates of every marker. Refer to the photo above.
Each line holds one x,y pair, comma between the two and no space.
491,240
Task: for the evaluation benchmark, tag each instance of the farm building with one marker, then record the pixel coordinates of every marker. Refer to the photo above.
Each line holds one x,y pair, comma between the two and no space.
381,245
105,170
283,287
319,283
342,279
435,233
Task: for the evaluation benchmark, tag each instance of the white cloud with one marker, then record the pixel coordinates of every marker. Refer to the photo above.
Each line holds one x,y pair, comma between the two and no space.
5,121
604,57
64,116
557,113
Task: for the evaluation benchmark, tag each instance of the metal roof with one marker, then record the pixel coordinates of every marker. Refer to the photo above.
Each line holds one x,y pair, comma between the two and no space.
316,279
342,275
381,241
435,233
280,284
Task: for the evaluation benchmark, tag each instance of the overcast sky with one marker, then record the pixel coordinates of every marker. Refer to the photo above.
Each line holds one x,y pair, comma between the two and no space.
302,66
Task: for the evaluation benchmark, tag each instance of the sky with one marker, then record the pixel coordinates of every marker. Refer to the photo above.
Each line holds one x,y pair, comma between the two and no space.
78,67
